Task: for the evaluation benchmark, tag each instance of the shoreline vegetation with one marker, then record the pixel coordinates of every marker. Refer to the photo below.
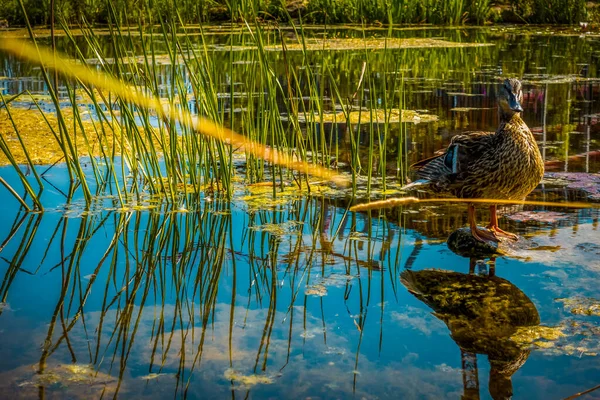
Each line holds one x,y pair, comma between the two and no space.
378,12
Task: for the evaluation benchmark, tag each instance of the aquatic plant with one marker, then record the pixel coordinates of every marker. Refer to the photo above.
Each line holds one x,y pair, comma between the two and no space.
144,140
318,11
551,12
155,137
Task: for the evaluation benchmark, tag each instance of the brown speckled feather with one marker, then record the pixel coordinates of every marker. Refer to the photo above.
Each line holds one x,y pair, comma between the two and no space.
505,164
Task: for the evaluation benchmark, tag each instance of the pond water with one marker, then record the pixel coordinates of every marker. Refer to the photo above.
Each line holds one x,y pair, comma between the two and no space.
300,298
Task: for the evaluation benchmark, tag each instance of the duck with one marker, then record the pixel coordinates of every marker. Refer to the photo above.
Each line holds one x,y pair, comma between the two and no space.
505,164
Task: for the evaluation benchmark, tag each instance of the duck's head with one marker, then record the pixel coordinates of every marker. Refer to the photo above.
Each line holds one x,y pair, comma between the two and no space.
510,96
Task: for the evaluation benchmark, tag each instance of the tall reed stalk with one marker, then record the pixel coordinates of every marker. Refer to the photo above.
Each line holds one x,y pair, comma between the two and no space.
163,153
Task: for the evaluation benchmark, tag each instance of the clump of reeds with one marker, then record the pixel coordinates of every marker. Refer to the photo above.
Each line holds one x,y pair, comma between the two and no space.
161,144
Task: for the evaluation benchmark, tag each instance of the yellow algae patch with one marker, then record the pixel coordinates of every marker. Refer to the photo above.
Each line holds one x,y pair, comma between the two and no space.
79,372
465,94
43,146
373,44
393,115
189,187
23,33
316,290
152,375
75,373
570,338
467,109
75,381
37,136
282,229
246,380
156,59
207,30
260,196
582,305
541,336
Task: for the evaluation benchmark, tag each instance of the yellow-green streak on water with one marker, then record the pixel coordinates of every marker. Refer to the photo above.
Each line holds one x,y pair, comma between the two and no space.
203,126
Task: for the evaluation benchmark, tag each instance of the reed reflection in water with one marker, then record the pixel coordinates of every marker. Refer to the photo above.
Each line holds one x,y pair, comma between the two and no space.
165,294
302,300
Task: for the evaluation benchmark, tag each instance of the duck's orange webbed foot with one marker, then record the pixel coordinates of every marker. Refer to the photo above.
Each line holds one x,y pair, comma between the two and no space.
496,231
479,234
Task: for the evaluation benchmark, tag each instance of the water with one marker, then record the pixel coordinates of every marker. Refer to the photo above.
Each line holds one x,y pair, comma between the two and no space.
301,298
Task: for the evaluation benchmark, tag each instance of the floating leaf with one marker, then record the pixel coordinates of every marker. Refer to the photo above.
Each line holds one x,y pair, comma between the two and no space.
246,380
316,290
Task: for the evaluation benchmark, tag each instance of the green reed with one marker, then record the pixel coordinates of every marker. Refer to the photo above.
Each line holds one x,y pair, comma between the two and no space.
140,144
158,155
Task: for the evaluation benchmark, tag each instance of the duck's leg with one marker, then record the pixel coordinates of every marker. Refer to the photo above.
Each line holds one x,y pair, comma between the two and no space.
493,226
477,233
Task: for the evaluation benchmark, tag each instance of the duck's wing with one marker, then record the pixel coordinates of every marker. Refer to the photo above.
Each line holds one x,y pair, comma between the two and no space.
446,170
466,150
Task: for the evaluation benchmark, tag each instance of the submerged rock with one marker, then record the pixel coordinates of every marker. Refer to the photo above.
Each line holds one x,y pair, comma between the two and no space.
463,243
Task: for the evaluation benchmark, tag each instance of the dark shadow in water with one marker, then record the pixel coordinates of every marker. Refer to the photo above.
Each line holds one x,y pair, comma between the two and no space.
482,312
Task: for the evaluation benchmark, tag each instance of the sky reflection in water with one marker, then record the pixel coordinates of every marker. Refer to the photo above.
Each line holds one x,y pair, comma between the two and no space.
309,311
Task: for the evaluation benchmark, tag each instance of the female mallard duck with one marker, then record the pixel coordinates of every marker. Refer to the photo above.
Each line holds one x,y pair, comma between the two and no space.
505,164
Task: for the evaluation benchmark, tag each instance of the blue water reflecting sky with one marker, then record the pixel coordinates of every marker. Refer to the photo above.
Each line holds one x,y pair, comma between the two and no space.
308,310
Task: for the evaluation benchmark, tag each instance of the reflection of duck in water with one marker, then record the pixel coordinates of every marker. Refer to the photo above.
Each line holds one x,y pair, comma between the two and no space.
482,313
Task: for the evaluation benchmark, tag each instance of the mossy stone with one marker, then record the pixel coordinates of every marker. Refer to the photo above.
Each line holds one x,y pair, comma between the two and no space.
463,243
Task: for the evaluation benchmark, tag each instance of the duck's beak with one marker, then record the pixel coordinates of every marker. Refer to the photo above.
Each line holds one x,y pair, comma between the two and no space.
514,104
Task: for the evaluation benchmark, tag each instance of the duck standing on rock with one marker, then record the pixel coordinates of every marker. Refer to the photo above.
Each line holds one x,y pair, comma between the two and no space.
505,164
